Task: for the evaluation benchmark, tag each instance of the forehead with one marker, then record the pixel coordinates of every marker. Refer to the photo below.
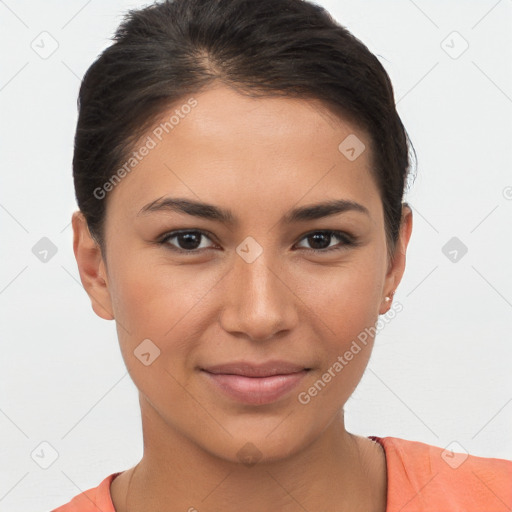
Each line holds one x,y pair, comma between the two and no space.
229,148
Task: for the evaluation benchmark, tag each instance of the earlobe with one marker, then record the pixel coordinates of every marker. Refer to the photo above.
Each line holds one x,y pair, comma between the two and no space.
91,267
397,268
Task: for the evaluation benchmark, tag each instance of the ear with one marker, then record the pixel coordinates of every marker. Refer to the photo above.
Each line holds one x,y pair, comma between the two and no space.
397,265
91,267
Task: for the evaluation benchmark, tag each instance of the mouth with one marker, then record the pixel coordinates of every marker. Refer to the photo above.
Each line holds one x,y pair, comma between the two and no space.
255,384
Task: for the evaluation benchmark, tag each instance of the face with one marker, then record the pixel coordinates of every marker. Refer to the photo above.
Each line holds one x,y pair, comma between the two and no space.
247,286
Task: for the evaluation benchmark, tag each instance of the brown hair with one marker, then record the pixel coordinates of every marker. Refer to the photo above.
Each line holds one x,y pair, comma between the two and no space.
168,51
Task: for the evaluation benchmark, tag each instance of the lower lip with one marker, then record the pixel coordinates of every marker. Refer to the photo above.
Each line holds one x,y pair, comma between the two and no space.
255,390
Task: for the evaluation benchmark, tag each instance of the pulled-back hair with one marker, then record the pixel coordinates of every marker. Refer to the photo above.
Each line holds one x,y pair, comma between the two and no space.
164,53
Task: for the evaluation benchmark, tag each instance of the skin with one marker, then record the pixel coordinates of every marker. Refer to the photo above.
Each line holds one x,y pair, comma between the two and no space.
259,158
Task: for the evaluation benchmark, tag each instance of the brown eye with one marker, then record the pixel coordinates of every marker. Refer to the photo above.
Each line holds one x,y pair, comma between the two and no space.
187,241
320,241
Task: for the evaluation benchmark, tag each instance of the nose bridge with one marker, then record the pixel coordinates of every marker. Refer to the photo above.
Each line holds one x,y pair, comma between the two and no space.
258,303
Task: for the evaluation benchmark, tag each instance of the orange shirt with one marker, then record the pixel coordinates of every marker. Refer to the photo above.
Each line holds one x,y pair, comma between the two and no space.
421,478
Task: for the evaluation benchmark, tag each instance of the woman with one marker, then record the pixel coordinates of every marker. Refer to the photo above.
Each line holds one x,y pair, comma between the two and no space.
240,168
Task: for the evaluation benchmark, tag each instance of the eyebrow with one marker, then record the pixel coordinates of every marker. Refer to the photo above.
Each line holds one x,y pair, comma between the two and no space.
225,216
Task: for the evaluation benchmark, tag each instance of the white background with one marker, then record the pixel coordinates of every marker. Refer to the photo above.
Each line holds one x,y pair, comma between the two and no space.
440,371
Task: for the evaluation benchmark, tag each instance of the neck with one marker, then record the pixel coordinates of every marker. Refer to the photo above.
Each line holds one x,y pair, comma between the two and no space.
337,471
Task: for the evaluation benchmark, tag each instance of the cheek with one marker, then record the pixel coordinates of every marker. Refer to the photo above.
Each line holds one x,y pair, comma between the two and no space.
347,299
151,296
346,303
164,303
345,333
153,307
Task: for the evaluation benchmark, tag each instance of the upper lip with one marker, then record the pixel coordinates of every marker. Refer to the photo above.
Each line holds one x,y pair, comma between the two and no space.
247,369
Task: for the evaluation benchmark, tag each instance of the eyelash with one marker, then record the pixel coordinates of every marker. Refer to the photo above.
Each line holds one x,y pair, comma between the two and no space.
348,240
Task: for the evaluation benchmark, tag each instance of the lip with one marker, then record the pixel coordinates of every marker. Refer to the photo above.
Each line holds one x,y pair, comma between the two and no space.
255,384
266,369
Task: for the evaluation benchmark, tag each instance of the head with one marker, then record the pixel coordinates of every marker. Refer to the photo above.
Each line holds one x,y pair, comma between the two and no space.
260,110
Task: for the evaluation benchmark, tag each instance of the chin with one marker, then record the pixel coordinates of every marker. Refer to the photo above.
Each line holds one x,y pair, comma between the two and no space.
257,446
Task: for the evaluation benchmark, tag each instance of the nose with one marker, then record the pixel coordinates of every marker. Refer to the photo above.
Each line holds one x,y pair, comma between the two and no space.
258,301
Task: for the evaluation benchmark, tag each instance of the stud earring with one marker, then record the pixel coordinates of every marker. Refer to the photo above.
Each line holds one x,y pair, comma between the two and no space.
389,297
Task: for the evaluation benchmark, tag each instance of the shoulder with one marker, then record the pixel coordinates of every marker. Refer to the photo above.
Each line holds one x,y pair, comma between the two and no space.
424,477
96,499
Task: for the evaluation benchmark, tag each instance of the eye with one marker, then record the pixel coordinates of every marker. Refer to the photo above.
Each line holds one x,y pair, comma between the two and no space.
189,241
321,240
